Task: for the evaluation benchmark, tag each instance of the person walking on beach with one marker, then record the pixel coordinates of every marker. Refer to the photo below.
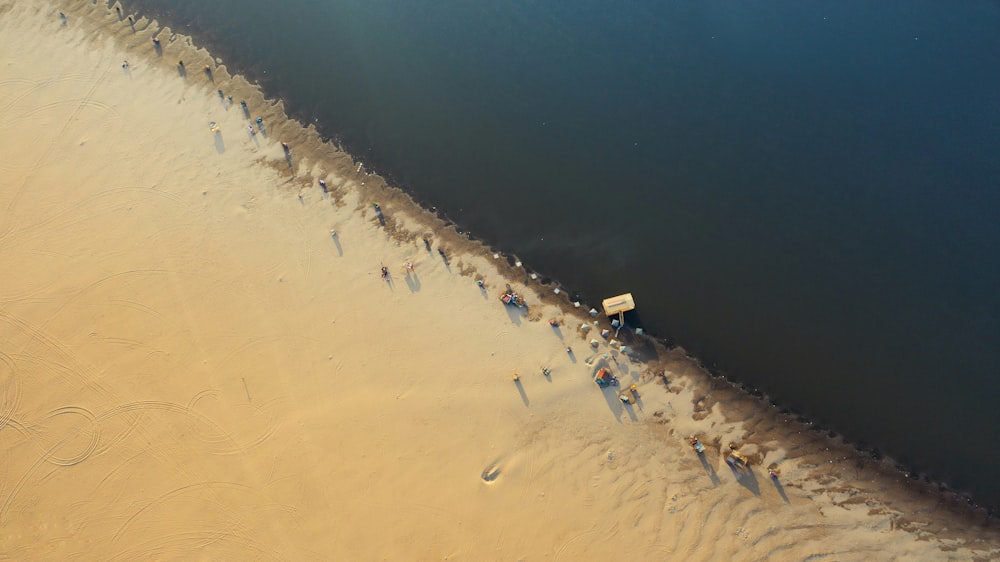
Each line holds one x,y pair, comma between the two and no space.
322,185
125,65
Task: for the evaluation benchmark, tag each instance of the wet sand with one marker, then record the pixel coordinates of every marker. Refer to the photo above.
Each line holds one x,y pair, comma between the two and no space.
193,366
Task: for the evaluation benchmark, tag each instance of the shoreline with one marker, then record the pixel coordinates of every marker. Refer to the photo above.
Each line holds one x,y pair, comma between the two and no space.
435,222
748,418
938,475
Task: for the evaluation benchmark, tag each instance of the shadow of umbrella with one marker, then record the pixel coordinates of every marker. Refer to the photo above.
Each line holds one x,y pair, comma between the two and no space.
520,389
412,281
220,146
746,478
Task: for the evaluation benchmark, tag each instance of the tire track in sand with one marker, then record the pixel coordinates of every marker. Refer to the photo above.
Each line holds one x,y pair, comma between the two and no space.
85,102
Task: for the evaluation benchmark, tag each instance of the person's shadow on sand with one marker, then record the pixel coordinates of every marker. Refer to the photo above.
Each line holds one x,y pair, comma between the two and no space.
182,71
220,145
336,242
412,282
572,355
520,390
781,490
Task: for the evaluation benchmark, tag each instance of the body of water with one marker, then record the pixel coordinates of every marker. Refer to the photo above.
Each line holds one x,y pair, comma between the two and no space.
805,195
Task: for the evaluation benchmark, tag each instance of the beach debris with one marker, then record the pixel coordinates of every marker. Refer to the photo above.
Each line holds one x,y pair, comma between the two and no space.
604,378
629,395
736,460
510,298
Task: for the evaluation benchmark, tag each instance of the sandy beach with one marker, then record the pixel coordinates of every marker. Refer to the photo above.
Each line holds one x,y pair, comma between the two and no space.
193,367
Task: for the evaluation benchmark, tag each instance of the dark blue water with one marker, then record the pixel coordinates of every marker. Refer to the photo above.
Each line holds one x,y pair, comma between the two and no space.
806,195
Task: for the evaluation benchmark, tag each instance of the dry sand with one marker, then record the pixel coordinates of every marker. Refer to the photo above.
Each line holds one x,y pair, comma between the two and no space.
192,368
